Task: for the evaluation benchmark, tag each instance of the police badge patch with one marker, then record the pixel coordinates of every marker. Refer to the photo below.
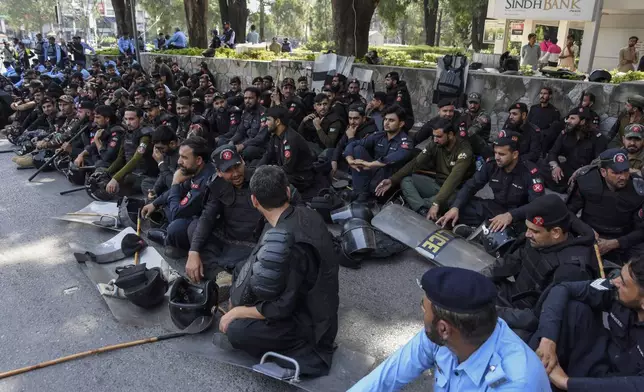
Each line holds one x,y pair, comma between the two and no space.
141,149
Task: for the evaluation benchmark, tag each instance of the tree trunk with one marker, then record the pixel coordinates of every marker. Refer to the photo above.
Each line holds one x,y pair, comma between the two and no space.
123,17
478,26
437,41
262,20
352,28
431,15
196,11
236,12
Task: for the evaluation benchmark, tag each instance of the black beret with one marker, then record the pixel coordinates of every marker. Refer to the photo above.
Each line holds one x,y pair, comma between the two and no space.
235,79
445,102
302,79
87,104
458,290
519,105
357,107
508,138
258,80
548,211
583,113
132,243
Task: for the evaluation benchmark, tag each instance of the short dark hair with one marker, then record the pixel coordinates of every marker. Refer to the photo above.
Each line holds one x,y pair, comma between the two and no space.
590,96
105,111
320,97
269,184
252,27
532,35
164,135
253,90
633,37
199,147
397,110
548,89
278,113
446,125
475,328
141,91
570,36
132,108
636,269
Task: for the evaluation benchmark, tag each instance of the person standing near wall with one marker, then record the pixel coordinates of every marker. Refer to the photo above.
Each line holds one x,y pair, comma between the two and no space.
530,52
628,56
568,54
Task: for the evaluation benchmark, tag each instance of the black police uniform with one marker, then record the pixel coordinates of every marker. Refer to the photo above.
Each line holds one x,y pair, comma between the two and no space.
302,313
165,118
399,95
228,215
296,110
183,203
195,125
595,357
394,153
307,97
84,141
544,118
290,151
112,141
248,129
512,191
578,150
612,214
226,132
365,129
426,131
535,269
530,143
332,129
167,168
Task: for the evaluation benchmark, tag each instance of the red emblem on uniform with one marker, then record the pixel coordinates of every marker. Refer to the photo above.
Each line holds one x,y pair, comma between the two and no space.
537,220
462,133
399,99
537,188
227,155
113,144
534,171
287,154
619,158
405,146
640,213
194,186
113,133
291,109
184,201
502,134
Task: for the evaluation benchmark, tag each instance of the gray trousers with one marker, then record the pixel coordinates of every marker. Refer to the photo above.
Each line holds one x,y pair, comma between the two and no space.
419,191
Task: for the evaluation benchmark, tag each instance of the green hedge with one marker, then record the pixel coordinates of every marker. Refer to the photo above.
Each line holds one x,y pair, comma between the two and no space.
418,52
630,76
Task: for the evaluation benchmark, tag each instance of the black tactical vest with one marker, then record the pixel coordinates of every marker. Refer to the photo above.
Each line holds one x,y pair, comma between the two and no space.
239,216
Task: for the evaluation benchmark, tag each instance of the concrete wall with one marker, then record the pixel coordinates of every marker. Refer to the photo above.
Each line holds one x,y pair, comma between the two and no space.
498,91
614,32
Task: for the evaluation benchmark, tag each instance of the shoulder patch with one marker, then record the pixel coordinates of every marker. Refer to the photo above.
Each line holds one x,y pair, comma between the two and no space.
600,284
534,171
638,184
462,155
599,134
141,149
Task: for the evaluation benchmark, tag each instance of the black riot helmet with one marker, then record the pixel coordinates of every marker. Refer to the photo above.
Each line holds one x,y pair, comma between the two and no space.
353,210
498,241
96,184
358,238
143,287
190,301
41,158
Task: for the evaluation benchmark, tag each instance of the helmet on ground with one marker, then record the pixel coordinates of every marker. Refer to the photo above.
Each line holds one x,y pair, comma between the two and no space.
353,210
190,301
494,241
96,184
74,174
149,293
358,238
41,158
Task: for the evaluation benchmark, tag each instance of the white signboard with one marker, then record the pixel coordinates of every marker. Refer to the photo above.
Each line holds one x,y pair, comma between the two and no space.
543,9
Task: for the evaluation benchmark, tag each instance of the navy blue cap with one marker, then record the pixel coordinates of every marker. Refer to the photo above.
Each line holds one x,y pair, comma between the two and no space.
615,159
458,290
226,157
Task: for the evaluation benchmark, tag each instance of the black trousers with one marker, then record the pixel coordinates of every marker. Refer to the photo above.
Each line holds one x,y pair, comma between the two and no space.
218,254
286,337
583,342
477,210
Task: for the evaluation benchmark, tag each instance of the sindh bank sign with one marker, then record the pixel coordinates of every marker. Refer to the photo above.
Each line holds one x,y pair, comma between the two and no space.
544,9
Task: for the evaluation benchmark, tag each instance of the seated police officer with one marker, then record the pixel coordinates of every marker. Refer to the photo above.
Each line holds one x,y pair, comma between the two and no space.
475,125
105,144
556,247
430,180
323,128
610,198
184,200
583,351
166,155
285,296
228,215
468,347
288,149
530,145
514,184
134,170
157,115
360,126
578,144
249,128
379,155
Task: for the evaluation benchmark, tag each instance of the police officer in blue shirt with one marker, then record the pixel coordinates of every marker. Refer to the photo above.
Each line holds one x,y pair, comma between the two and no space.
379,155
125,45
468,347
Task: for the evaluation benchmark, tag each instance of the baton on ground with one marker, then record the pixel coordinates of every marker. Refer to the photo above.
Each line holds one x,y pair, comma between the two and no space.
50,160
599,261
6,151
82,188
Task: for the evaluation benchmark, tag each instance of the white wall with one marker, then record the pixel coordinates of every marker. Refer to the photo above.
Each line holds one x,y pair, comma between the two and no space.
613,35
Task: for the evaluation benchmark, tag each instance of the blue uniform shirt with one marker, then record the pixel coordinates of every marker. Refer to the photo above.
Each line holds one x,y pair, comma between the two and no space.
186,199
389,152
124,45
178,39
503,363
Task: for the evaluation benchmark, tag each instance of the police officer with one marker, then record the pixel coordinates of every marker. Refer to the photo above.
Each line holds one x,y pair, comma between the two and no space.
323,128
556,247
184,200
235,88
228,216
353,93
291,101
339,84
104,145
475,124
446,110
375,108
285,296
305,94
545,117
134,170
397,93
579,350
85,117
634,114
190,124
468,347
360,126
166,155
156,115
379,155
588,102
226,120
514,184
429,182
530,146
610,199
634,143
288,149
579,144
249,127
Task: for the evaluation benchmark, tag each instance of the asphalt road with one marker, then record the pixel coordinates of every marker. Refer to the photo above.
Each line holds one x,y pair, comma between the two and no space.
49,308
